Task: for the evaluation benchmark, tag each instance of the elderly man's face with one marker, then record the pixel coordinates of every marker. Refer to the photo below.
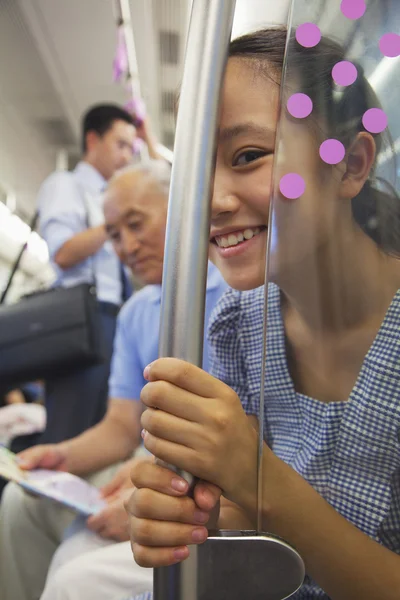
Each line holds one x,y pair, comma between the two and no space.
135,211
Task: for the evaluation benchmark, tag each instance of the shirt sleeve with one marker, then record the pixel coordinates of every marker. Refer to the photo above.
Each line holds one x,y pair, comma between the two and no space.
126,377
61,210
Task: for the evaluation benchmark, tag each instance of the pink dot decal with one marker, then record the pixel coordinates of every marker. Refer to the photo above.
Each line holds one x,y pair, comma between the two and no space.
292,186
300,106
332,151
308,35
344,73
389,45
353,9
375,120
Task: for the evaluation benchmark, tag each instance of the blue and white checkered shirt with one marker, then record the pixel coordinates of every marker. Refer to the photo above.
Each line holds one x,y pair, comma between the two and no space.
348,451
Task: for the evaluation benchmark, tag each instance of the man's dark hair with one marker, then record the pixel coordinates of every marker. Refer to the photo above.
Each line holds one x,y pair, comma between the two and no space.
100,118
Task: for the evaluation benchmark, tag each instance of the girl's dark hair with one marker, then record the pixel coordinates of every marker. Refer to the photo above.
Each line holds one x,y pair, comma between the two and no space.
376,208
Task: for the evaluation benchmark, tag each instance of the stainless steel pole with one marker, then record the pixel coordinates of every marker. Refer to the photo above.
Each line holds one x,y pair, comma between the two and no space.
186,250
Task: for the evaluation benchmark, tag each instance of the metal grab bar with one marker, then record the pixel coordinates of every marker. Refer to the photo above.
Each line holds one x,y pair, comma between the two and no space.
231,565
188,224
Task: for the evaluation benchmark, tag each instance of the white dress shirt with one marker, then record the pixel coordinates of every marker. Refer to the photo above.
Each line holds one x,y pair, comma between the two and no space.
67,203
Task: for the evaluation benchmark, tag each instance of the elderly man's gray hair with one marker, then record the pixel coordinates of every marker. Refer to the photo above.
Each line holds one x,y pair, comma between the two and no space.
156,170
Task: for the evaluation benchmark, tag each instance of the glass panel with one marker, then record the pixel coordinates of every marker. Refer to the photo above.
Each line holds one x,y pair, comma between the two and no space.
332,379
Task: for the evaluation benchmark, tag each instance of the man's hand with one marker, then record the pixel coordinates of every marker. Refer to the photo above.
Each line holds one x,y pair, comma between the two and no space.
112,522
48,456
144,132
14,397
122,479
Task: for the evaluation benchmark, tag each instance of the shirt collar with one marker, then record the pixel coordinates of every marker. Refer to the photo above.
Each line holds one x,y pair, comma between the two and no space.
90,176
214,279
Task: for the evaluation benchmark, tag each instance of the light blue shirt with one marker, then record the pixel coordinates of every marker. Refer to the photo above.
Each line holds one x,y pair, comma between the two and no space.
136,340
66,202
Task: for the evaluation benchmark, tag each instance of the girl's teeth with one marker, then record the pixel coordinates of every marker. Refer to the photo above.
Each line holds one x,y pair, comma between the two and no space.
232,240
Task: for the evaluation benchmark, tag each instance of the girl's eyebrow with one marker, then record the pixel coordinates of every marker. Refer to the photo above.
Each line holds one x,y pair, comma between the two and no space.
249,128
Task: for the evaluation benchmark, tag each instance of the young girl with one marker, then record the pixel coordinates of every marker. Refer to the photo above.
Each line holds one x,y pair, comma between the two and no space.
331,462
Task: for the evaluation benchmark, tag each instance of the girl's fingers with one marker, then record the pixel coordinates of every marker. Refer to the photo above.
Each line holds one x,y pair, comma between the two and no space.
182,457
158,557
174,400
151,505
206,495
164,534
184,375
201,464
169,427
158,478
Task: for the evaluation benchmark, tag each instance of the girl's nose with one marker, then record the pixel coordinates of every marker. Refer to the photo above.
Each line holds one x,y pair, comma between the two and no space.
223,203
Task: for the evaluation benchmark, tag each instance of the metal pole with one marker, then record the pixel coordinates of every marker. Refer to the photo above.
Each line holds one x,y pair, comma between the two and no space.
188,225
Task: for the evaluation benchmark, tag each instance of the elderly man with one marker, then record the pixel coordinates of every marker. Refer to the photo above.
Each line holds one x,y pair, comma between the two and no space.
89,564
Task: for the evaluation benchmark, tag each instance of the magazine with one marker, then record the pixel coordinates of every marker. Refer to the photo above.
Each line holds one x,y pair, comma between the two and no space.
67,489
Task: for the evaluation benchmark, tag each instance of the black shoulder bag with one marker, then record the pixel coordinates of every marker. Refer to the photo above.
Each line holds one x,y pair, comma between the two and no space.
49,333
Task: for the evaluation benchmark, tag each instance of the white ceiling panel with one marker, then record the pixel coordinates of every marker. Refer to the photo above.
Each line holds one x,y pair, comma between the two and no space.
27,101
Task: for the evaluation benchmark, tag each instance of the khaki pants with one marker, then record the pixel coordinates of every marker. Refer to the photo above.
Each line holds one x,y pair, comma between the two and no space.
87,567
31,529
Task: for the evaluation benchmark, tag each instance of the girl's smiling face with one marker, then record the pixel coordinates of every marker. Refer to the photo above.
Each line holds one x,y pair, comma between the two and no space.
301,229
242,184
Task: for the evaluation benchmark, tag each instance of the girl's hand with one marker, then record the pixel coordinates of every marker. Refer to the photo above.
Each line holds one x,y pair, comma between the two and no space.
163,520
196,423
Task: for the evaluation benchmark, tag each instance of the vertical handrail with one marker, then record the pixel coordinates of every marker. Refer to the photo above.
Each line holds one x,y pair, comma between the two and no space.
187,239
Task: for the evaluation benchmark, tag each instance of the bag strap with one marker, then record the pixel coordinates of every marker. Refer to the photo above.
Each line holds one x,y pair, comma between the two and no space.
15,267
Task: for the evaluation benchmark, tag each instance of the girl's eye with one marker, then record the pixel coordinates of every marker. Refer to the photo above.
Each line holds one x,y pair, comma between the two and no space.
248,157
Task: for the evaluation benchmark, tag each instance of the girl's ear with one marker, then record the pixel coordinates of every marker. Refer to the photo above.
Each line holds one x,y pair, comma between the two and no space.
359,161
